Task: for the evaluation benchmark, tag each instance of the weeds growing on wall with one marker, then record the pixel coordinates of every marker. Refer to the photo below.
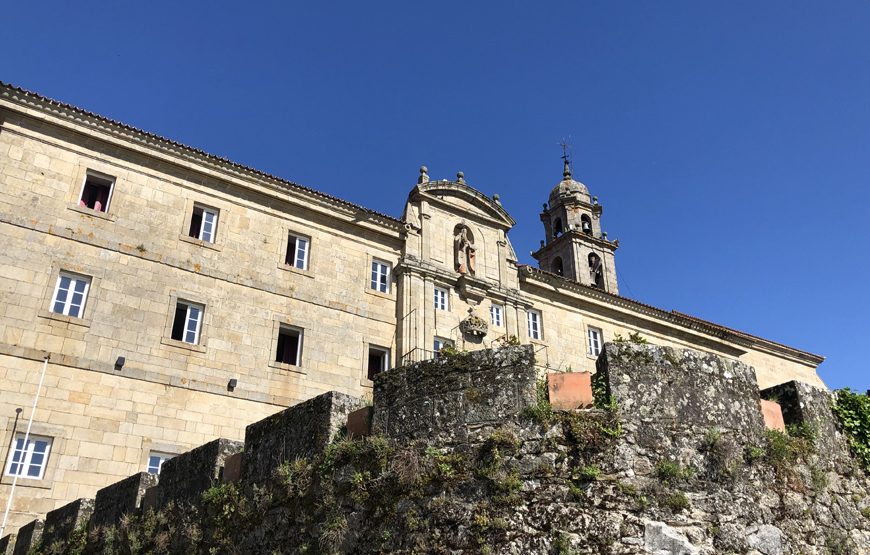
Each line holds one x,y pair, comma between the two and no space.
853,411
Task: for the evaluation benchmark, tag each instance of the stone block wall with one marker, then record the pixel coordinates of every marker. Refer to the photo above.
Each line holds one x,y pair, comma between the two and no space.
62,523
446,400
299,431
121,498
186,476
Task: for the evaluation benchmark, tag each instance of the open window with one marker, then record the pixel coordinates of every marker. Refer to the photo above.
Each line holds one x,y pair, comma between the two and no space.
289,348
557,227
187,323
203,223
558,268
297,251
379,361
96,191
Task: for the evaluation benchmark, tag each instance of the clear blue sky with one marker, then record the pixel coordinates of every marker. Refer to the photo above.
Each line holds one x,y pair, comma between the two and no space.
729,142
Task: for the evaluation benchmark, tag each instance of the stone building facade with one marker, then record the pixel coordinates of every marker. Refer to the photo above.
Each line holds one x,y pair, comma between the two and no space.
179,296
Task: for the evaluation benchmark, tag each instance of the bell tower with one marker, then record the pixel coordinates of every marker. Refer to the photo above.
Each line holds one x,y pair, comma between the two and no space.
575,247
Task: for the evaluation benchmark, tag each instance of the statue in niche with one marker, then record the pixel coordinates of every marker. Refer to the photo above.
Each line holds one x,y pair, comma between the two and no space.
463,250
595,273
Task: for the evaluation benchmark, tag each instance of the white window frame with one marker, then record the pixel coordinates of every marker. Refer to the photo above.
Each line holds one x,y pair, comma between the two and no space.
67,305
161,458
101,177
594,340
206,211
28,451
197,327
442,299
300,337
533,318
496,315
385,353
298,244
439,343
380,276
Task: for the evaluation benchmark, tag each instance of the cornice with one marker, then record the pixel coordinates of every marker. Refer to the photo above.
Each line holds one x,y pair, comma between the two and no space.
167,147
579,237
535,275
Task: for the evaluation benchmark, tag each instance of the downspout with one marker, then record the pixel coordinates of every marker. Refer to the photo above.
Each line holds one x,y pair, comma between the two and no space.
26,438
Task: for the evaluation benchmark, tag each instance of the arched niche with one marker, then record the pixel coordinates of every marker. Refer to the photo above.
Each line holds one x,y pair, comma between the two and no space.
557,266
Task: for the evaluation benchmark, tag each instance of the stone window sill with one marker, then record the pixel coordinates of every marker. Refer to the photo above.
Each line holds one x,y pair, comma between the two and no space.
72,320
183,345
287,367
288,268
199,242
391,296
91,212
26,482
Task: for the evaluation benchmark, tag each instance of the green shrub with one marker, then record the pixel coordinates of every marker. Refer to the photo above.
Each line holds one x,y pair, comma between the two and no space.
589,473
541,411
676,501
670,472
853,412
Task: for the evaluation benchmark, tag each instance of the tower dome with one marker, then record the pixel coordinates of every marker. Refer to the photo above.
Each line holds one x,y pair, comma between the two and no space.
568,187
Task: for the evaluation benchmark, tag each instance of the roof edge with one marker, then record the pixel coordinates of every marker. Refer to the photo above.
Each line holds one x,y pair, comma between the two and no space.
674,316
127,132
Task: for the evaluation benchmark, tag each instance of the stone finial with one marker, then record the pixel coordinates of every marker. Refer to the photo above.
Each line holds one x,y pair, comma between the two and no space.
460,177
496,199
604,235
424,175
566,173
594,200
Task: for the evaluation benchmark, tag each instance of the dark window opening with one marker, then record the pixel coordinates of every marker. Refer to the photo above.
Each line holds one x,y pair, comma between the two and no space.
179,321
288,346
557,267
95,194
378,360
586,224
557,227
195,222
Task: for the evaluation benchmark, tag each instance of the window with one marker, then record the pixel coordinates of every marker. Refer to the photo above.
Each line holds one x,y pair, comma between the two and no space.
187,322
203,223
439,344
297,252
156,460
380,276
440,299
595,336
379,360
289,350
534,324
70,295
495,314
29,460
97,191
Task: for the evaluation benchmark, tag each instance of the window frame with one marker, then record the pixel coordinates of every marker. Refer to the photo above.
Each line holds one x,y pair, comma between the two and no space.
385,354
293,240
375,279
300,338
187,298
444,342
186,327
74,278
99,176
493,309
536,316
162,456
206,209
27,462
445,298
589,350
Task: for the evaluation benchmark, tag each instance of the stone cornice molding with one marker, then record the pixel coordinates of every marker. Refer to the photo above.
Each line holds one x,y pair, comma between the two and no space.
559,284
495,214
74,117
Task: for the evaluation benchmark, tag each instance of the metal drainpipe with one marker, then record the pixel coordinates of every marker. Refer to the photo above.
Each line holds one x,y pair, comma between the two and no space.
26,438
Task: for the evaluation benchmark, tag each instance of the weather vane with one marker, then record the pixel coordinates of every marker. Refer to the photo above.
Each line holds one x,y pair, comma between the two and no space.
566,155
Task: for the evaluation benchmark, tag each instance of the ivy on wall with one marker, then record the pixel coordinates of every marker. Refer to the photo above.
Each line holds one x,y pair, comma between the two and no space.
853,411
